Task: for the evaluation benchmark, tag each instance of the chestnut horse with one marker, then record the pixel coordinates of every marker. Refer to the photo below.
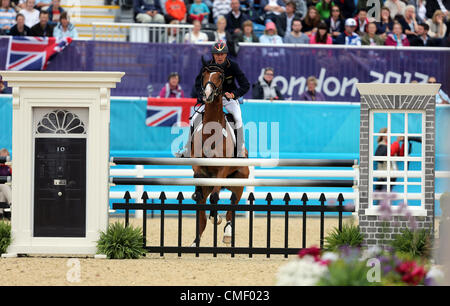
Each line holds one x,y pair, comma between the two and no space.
201,146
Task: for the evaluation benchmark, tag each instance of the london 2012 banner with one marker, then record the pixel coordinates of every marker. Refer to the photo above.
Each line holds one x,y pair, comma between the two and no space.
337,69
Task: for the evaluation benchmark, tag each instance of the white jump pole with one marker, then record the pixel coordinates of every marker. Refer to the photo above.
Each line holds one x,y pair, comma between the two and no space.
236,162
231,182
139,191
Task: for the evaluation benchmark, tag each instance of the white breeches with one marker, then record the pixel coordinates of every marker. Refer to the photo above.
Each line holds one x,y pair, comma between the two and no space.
5,193
232,106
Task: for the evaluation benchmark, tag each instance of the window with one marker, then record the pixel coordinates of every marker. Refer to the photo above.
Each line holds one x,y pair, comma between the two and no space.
396,160
60,122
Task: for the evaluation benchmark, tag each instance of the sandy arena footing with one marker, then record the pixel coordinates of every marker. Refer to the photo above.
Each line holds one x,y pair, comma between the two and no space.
171,270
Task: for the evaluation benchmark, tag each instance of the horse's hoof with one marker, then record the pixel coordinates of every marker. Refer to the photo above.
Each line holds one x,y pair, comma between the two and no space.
196,197
227,239
194,243
219,219
227,233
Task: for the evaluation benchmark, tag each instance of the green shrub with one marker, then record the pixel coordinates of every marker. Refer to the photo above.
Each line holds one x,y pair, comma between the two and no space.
120,242
413,244
5,236
348,236
347,273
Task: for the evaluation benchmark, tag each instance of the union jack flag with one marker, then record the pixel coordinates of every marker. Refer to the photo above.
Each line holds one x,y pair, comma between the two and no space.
33,53
169,111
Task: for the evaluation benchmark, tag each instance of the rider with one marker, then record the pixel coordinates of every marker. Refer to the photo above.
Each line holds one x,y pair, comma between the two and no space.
232,93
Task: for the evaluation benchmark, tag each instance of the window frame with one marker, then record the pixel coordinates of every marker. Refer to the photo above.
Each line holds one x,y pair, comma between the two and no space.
389,173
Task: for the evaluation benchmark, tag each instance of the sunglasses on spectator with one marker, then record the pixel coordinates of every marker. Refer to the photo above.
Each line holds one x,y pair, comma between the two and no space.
335,10
268,73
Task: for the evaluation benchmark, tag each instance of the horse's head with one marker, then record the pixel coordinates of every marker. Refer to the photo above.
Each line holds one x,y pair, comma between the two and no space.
212,81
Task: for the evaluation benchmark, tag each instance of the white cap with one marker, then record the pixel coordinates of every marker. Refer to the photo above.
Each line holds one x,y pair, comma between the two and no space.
350,22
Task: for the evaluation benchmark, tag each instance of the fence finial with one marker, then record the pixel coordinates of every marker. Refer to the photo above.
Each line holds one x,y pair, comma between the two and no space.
180,196
145,196
251,197
127,196
305,197
322,198
162,196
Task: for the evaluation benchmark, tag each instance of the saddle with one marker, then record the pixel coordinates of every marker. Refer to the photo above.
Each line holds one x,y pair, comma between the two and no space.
229,121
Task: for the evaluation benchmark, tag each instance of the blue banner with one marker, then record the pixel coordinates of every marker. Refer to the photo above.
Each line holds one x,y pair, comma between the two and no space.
291,130
337,69
302,130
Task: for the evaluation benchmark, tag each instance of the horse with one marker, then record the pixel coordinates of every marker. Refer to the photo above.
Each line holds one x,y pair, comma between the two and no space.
213,77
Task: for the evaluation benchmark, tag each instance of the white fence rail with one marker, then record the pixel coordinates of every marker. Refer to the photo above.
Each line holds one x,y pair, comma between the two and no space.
257,172
140,32
233,162
139,171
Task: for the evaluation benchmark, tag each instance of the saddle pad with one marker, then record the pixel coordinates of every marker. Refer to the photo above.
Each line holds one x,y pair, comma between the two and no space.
228,119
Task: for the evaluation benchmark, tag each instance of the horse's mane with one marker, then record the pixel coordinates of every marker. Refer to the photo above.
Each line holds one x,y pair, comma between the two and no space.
212,67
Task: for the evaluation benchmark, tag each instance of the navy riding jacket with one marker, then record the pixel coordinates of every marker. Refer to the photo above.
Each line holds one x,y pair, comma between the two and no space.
232,74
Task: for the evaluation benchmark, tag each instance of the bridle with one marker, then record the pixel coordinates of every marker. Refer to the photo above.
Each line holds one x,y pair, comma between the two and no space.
217,90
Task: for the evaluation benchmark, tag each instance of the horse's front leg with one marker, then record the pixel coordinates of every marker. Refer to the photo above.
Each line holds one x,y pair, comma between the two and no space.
222,173
202,215
242,173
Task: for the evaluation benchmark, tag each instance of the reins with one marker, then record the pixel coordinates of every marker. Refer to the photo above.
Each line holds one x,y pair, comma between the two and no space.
216,92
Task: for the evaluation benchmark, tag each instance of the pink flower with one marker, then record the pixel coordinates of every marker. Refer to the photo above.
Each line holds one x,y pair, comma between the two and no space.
325,262
411,273
312,251
417,275
405,267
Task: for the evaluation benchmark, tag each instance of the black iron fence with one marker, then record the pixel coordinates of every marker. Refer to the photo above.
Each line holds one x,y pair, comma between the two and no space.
285,208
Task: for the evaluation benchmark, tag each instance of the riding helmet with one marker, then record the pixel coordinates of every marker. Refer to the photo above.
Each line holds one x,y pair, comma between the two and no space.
219,48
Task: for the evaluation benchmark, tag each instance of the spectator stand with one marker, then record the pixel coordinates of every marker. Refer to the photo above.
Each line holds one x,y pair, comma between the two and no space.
137,32
84,13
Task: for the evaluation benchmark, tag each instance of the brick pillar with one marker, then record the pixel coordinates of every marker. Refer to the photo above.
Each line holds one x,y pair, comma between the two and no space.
389,97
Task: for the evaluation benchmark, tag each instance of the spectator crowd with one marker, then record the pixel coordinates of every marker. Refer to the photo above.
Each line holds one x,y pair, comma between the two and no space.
341,22
45,18
344,22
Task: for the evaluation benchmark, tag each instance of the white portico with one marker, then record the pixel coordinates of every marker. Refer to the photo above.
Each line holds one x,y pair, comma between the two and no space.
60,156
